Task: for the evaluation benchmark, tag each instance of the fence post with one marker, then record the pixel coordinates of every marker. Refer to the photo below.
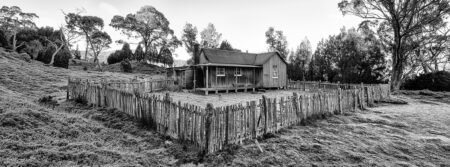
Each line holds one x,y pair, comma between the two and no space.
253,118
296,108
104,86
318,86
355,97
340,100
304,86
227,114
67,89
151,86
208,129
265,108
366,94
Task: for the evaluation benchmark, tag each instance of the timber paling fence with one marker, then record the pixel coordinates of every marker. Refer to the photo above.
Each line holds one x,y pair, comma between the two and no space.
141,86
212,129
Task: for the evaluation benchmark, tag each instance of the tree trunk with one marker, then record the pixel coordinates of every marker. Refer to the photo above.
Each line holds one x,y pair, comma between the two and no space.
87,49
397,69
14,42
436,64
99,66
54,54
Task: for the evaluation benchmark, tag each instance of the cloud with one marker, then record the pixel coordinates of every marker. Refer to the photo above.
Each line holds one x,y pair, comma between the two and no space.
108,8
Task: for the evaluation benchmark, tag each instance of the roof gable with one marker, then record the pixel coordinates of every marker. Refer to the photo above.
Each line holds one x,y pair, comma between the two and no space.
217,56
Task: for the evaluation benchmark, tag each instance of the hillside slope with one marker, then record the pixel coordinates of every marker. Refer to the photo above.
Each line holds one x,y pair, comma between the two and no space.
33,134
71,134
138,68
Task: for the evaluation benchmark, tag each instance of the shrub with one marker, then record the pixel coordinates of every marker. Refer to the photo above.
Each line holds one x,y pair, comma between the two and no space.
436,81
45,55
48,101
116,57
61,59
81,100
3,40
126,52
32,48
120,55
126,66
77,54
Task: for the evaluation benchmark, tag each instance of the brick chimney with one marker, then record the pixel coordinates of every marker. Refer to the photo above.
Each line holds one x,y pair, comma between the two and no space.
196,54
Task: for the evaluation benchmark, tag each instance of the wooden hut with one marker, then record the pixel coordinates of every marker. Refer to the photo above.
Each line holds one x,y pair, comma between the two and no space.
223,70
183,76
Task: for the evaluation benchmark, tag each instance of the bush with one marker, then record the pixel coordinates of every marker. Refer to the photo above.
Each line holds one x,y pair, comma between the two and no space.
126,66
61,59
436,81
77,54
45,55
48,101
81,100
3,40
120,55
116,57
126,52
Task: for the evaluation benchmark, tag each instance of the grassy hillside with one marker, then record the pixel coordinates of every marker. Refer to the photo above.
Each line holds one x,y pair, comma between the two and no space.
34,134
71,134
138,67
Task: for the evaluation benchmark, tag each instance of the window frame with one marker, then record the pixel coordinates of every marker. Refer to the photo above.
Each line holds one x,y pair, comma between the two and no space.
237,69
219,71
275,73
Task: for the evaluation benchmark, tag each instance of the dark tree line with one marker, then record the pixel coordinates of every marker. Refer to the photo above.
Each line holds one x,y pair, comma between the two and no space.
350,57
164,56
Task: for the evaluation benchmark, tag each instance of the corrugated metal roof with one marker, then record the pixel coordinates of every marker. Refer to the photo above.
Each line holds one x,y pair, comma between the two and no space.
217,56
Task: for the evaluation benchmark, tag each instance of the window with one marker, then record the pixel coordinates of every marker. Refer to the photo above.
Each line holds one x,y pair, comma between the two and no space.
238,72
275,71
220,72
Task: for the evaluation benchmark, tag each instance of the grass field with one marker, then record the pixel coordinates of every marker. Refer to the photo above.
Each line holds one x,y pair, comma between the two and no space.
33,134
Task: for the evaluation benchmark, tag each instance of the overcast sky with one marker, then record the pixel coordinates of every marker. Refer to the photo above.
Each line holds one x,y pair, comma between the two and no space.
241,22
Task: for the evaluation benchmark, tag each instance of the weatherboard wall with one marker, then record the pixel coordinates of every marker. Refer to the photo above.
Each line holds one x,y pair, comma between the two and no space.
268,69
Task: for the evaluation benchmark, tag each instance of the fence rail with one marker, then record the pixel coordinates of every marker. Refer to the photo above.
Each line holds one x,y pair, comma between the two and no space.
212,129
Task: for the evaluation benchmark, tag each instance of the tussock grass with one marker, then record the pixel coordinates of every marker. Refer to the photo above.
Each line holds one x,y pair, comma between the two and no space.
74,134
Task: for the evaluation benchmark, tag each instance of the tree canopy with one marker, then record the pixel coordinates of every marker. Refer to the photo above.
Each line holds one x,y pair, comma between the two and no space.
189,37
13,19
225,45
210,38
349,57
299,60
148,24
396,23
99,40
277,41
89,26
